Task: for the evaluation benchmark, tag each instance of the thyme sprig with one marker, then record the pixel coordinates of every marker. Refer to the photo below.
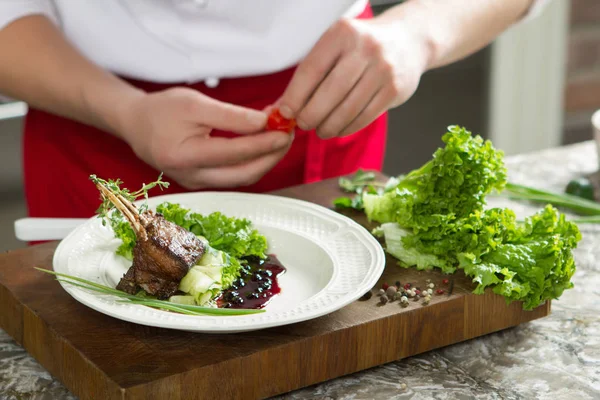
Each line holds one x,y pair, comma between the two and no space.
104,211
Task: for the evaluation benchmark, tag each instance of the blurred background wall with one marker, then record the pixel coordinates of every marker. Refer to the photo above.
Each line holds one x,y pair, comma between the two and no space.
582,90
465,93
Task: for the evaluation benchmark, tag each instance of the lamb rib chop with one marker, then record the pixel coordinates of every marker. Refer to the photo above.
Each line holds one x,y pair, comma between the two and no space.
163,254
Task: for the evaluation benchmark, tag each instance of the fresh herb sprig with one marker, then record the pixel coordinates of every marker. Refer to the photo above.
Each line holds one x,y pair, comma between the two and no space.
104,211
145,301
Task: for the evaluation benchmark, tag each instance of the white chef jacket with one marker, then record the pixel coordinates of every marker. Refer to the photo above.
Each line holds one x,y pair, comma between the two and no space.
168,41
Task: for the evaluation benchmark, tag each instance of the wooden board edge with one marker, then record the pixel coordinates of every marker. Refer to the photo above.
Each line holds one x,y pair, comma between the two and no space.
64,362
505,316
295,371
72,368
11,315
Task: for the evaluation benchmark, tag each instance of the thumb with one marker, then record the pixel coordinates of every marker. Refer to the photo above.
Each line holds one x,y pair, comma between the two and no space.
229,117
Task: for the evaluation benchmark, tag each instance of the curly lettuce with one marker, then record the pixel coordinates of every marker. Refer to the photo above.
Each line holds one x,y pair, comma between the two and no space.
234,236
435,218
450,186
534,264
479,233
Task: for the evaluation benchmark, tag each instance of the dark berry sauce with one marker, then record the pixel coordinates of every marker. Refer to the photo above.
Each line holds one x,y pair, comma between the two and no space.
256,285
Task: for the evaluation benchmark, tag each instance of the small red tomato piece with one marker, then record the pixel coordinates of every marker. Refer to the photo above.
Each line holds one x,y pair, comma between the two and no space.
445,281
385,286
440,291
276,122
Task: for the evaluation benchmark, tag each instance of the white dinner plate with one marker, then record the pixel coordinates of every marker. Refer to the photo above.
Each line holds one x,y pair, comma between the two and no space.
331,261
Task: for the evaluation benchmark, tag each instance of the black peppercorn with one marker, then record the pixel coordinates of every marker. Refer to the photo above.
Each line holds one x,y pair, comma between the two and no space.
366,296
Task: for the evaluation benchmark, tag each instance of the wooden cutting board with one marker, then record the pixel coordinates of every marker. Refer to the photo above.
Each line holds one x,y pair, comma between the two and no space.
99,357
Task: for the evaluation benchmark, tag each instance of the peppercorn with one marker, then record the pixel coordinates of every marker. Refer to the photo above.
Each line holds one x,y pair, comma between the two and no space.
398,284
440,291
383,299
385,286
431,285
407,286
390,291
403,301
445,281
381,292
367,296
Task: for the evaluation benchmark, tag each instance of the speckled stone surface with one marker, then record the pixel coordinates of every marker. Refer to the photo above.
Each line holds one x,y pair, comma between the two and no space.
557,357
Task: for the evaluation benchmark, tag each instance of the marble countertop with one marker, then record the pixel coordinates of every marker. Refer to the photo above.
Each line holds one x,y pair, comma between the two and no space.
557,357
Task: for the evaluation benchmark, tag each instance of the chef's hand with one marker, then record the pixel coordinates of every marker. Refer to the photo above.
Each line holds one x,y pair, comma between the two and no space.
356,71
170,130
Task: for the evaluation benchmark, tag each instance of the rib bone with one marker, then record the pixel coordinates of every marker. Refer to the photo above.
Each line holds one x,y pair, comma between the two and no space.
127,209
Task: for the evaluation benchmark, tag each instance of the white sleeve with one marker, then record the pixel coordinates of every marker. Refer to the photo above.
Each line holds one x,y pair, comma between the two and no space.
535,9
11,10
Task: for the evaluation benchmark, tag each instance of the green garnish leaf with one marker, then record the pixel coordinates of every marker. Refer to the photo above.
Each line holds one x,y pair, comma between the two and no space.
343,202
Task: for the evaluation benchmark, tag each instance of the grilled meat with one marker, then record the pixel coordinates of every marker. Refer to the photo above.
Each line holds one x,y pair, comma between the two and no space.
163,254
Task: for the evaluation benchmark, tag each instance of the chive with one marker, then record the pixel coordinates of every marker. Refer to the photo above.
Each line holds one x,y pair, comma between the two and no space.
133,299
574,203
194,310
593,219
170,307
128,298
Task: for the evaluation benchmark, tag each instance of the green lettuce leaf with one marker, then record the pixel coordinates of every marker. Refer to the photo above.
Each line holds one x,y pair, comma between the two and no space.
235,236
533,265
450,186
480,232
435,218
124,232
409,256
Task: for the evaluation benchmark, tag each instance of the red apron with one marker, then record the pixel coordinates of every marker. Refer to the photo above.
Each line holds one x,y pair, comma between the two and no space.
60,154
